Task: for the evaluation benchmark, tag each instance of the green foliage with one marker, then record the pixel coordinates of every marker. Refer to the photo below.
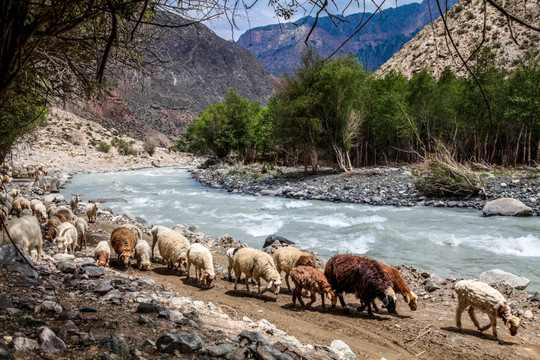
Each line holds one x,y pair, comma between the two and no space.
103,147
150,146
123,147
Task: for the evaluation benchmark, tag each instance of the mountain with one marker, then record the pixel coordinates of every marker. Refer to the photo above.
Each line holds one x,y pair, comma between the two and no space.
197,69
278,47
430,48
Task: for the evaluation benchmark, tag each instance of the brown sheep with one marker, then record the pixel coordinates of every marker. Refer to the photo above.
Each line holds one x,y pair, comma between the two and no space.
362,276
123,242
313,280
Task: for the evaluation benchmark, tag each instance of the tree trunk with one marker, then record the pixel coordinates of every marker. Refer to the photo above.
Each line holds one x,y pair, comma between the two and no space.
517,147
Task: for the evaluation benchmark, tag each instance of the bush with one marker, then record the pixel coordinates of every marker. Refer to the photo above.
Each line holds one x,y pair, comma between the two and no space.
124,147
150,147
103,147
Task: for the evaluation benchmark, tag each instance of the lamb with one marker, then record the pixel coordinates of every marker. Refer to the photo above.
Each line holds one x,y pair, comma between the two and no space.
82,228
478,295
39,210
26,232
67,237
362,276
123,243
256,264
399,286
142,254
286,258
201,258
74,202
156,231
136,231
102,253
91,211
313,280
173,248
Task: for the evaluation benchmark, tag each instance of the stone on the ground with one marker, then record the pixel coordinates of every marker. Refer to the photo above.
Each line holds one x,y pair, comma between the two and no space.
271,238
5,354
116,344
218,350
536,296
48,340
48,306
5,302
149,308
266,351
343,350
23,344
92,270
253,336
506,207
184,343
496,275
67,267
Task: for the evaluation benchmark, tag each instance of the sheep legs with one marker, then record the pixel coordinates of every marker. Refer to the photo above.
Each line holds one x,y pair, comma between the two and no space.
342,302
492,322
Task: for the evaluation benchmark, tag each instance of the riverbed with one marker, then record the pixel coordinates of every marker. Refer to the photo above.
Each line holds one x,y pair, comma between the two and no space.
448,242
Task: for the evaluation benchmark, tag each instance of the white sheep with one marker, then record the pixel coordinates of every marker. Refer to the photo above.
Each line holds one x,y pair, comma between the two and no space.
201,258
173,248
26,232
74,202
287,257
142,254
256,264
478,295
155,231
103,253
230,255
39,210
136,231
82,228
91,211
67,237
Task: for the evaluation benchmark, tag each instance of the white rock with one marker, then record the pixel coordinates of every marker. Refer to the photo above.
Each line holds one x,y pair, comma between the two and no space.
343,350
181,301
495,275
506,207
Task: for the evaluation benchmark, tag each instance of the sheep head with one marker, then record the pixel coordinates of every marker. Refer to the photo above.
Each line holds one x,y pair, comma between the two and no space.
412,299
332,297
276,285
123,259
61,242
389,301
512,324
207,279
103,259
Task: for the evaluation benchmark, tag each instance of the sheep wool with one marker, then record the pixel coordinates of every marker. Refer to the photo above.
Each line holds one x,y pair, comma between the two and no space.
286,258
201,258
173,248
256,264
123,242
142,254
313,280
156,231
67,237
82,228
102,253
25,231
475,294
91,211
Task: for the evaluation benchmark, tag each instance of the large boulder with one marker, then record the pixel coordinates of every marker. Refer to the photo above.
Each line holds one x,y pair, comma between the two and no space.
497,275
47,183
271,238
506,207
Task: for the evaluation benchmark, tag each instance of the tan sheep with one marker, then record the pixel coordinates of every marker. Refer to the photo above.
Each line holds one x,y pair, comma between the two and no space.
136,231
173,248
123,243
142,254
26,232
201,258
82,228
19,204
314,281
256,264
91,211
286,258
156,230
39,210
102,253
475,294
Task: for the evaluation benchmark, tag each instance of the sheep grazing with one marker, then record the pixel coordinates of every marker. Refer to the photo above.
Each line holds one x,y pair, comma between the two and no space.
142,254
201,258
19,204
64,214
67,237
313,280
25,231
362,276
136,231
123,243
74,202
400,287
82,228
102,253
91,211
256,264
155,231
173,248
230,255
286,258
39,210
478,295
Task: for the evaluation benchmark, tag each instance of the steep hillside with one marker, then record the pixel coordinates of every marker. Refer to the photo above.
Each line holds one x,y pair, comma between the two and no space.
431,47
278,47
197,68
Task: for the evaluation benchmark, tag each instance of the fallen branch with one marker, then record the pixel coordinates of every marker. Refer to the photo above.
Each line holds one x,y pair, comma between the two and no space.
422,333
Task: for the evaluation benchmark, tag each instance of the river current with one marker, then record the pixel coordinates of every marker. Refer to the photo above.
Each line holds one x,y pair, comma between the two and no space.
447,242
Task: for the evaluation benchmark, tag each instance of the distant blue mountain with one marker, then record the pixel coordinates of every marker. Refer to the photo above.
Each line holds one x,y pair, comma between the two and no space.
278,47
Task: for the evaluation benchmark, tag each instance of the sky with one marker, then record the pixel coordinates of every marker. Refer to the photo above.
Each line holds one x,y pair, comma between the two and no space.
261,14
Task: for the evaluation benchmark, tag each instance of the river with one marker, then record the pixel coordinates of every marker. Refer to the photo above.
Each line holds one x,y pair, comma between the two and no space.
448,242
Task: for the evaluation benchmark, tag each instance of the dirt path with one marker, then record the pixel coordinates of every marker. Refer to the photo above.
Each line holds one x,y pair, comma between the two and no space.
428,333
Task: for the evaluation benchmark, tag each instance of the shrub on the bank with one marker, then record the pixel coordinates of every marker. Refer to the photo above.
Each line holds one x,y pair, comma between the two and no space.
103,147
124,147
150,147
444,177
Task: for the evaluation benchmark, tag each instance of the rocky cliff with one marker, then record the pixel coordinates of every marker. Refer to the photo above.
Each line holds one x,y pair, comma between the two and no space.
278,47
432,48
195,69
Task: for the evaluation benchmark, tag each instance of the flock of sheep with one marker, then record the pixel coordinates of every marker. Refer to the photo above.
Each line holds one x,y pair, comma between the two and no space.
366,278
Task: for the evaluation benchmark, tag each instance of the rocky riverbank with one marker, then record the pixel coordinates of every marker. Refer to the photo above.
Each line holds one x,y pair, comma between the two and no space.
389,186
